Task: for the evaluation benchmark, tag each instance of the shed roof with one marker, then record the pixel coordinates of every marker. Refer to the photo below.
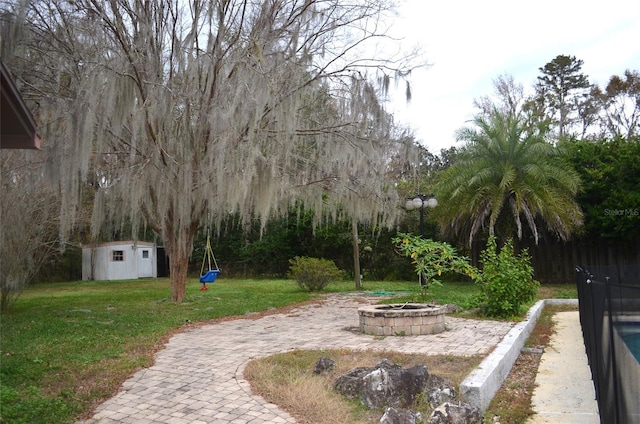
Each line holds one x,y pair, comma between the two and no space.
132,243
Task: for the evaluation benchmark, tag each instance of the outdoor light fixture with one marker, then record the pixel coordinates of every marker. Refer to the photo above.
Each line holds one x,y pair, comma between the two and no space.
421,201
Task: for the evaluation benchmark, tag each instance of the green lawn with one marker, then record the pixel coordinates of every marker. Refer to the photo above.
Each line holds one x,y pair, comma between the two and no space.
66,346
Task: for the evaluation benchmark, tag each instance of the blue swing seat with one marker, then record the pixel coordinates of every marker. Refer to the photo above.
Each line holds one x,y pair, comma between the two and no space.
210,276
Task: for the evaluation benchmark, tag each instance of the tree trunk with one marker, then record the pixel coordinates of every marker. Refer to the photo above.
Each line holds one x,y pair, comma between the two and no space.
356,253
179,247
178,266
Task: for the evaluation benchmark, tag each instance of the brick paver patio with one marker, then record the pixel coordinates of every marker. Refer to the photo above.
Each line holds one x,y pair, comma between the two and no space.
198,377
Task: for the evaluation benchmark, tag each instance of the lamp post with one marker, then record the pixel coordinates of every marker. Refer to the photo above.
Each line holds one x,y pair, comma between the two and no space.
420,202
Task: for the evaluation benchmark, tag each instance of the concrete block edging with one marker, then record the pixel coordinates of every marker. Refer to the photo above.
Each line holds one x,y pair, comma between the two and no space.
479,388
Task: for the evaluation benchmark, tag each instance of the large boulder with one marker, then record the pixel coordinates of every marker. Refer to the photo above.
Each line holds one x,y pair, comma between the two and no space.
350,384
395,388
384,385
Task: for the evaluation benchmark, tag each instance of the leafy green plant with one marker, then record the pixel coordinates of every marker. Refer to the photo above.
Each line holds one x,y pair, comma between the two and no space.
506,280
313,274
432,259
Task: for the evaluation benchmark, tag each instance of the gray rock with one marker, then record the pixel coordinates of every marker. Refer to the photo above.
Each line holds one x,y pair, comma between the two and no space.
393,386
376,389
350,384
324,365
384,385
400,416
451,413
438,391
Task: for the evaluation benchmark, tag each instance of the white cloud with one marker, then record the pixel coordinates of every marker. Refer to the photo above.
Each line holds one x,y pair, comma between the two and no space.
470,43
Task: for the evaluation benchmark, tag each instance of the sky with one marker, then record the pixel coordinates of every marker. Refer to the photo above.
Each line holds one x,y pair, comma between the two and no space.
469,43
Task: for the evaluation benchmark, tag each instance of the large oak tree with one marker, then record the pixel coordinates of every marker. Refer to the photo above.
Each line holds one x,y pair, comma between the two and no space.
183,112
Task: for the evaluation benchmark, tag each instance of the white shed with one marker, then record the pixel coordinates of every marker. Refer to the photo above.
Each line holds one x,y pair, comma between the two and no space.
119,260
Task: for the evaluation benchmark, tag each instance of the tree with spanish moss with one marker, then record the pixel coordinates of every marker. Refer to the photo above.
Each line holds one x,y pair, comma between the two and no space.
184,112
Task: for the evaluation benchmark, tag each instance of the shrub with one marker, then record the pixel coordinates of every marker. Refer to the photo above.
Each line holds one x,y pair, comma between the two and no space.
432,259
506,280
313,274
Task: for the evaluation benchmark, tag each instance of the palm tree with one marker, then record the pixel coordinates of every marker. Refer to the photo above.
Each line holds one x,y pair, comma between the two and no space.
505,175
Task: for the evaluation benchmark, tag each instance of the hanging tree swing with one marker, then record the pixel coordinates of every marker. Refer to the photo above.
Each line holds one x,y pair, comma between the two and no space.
209,275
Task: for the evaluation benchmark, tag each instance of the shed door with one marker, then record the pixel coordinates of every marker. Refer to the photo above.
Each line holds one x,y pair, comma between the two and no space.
145,262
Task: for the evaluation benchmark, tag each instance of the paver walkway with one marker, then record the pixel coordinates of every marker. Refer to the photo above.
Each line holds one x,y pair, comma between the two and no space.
198,377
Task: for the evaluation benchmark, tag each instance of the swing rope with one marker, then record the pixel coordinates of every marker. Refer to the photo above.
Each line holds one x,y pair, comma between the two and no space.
208,255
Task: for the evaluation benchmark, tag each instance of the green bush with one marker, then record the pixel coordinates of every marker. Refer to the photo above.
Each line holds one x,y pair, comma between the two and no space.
433,259
313,274
506,280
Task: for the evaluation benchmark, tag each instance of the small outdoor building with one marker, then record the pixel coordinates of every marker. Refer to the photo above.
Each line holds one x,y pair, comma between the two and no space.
119,260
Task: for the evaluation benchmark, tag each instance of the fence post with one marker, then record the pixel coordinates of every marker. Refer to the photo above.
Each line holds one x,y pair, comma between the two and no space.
612,349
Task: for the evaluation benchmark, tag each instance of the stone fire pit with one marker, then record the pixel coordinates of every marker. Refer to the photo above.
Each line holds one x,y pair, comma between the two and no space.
410,319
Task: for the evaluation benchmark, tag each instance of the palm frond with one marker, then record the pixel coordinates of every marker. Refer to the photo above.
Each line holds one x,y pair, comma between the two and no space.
508,163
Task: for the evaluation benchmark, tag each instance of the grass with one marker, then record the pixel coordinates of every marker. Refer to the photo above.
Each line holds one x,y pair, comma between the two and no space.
455,292
65,347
